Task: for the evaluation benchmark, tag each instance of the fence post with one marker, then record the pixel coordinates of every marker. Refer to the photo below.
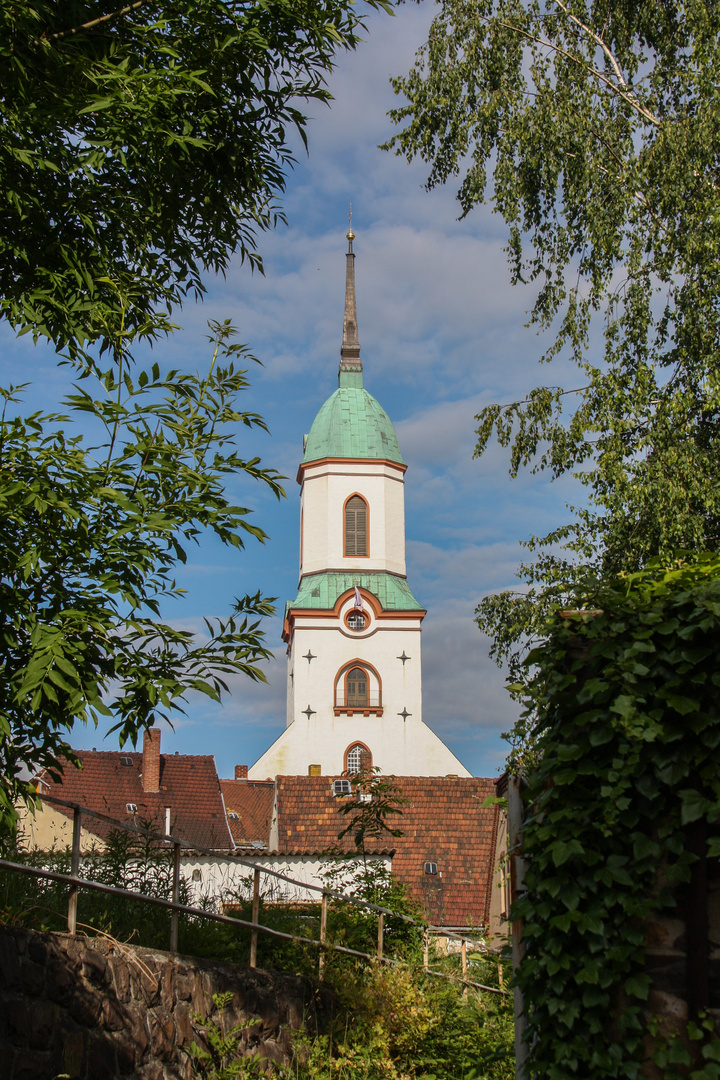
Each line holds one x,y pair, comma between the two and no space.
463,955
175,899
323,932
426,950
381,929
74,871
255,917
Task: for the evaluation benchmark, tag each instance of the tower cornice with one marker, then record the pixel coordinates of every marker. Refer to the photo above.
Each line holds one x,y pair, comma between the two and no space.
305,466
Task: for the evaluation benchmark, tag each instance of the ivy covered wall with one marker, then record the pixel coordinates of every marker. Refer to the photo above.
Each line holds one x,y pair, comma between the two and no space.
621,914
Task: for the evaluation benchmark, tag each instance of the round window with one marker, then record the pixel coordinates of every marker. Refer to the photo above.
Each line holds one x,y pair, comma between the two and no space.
356,620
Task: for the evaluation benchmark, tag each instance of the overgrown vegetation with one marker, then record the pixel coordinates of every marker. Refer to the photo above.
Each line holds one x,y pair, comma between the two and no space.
592,127
143,144
390,1023
91,534
622,803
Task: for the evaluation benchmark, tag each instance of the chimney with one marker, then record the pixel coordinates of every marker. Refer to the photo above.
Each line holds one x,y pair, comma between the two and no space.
241,772
151,760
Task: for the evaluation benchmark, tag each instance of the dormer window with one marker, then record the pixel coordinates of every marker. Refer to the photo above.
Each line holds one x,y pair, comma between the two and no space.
356,527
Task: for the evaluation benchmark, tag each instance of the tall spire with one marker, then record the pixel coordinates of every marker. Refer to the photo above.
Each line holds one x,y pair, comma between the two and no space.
350,373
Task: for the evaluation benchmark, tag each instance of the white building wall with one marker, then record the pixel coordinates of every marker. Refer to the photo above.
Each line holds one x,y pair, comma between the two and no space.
333,645
402,747
223,879
326,487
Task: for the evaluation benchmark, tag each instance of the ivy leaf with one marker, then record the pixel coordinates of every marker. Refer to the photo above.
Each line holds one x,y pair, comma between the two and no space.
638,986
693,805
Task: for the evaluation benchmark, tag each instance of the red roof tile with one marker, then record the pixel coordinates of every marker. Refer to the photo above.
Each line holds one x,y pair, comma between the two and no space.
188,785
443,823
252,801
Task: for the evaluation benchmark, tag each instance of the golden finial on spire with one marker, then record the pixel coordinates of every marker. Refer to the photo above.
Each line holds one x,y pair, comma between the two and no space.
350,233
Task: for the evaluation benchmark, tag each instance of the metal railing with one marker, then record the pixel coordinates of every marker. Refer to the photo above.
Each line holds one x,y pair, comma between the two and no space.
76,882
345,700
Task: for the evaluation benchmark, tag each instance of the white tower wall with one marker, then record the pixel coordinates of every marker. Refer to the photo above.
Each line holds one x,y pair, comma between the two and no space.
326,487
352,449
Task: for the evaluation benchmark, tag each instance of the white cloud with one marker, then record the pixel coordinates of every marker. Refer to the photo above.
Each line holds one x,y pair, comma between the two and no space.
442,335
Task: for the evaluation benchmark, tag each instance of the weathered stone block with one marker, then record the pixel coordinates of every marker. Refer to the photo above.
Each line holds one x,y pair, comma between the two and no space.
153,1070
32,976
183,985
136,1025
84,1006
94,968
118,967
201,998
183,1026
100,1057
9,962
37,950
113,1014
167,984
31,1023
162,1033
124,1052
33,1065
73,1053
59,978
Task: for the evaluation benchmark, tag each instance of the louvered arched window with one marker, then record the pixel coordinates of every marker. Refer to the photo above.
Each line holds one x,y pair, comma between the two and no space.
356,683
356,526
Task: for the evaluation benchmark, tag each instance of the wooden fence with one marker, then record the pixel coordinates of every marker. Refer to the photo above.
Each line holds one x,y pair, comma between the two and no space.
76,882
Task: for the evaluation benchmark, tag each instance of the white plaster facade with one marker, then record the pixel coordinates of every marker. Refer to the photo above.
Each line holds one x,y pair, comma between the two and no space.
220,879
326,486
320,727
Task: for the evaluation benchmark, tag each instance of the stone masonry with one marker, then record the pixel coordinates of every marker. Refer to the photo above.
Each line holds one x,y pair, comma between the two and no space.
95,1010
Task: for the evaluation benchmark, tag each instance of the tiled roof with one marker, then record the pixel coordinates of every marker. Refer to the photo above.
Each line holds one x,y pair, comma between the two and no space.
443,823
252,801
320,591
352,424
188,785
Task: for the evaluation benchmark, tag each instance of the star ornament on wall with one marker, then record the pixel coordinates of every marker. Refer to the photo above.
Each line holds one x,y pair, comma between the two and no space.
309,656
308,712
404,714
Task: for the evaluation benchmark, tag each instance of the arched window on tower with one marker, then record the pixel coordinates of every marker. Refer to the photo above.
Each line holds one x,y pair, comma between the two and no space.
357,757
356,526
358,689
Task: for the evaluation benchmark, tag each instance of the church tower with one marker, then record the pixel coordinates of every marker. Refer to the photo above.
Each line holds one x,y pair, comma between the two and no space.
354,677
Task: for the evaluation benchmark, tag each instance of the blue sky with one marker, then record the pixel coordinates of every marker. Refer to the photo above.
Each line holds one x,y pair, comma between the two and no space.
442,333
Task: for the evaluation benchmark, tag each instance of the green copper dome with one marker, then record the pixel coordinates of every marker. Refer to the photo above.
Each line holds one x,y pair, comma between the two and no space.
351,424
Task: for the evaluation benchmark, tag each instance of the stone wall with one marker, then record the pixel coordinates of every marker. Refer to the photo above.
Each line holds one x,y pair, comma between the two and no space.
93,1009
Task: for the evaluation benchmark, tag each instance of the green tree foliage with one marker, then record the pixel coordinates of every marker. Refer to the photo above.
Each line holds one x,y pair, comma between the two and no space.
376,800
143,144
90,536
592,126
624,802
